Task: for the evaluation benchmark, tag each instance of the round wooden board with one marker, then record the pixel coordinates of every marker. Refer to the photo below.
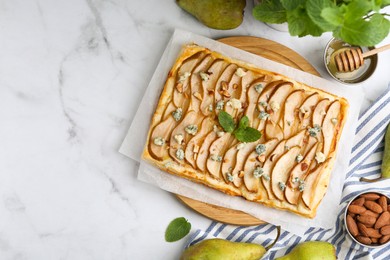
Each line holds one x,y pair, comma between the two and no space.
273,51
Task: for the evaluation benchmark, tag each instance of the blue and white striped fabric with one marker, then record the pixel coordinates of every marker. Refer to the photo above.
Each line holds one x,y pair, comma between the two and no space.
365,161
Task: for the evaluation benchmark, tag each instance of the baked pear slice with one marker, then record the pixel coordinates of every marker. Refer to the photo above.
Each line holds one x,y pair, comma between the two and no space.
244,149
228,163
252,97
204,154
254,160
213,72
296,140
216,151
281,171
311,193
290,117
268,166
196,83
330,126
306,110
277,100
182,83
221,90
162,130
273,130
297,176
193,146
319,114
179,136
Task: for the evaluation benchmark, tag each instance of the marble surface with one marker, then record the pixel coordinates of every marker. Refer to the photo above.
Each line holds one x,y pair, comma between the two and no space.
72,74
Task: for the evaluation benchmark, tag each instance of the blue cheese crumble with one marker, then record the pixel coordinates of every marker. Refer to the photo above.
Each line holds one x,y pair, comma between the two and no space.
159,141
260,149
191,129
180,154
258,172
177,114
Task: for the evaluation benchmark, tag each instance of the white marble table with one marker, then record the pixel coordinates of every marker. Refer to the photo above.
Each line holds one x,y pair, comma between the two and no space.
71,77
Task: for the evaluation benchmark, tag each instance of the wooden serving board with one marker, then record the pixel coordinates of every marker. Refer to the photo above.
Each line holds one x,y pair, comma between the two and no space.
273,51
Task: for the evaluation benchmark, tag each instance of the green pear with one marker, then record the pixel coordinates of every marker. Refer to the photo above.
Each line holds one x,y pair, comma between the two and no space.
386,155
311,250
385,168
216,14
220,249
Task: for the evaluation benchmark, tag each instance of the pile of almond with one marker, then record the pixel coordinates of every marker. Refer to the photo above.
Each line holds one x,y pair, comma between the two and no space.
368,219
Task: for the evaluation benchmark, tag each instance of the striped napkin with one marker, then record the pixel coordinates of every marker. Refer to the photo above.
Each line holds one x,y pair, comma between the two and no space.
365,161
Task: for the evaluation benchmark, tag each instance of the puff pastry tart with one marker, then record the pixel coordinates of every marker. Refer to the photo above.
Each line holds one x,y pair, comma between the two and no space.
288,168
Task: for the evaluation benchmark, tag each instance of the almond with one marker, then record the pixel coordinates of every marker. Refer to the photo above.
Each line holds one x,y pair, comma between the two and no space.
179,87
388,208
383,202
371,232
304,166
385,230
352,226
364,240
374,240
356,209
365,219
383,220
370,213
384,239
359,202
370,196
373,206
363,229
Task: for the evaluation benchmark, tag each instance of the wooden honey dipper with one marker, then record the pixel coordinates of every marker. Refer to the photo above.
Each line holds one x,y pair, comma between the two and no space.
352,58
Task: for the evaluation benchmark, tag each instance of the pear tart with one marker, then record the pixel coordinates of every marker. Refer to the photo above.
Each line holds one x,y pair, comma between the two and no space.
287,168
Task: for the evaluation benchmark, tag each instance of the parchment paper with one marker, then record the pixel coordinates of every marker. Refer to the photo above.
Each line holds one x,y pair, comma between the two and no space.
134,141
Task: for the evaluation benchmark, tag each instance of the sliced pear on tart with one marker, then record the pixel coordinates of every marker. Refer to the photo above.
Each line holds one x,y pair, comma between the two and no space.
281,171
162,132
268,166
179,136
182,83
221,90
276,101
329,126
306,110
294,185
193,146
196,83
204,154
312,180
291,109
217,150
256,159
213,73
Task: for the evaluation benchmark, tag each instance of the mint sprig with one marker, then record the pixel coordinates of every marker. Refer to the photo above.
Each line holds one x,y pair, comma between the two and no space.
242,132
357,22
177,229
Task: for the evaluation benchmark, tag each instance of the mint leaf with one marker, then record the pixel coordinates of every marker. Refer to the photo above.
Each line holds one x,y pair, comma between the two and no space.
292,4
364,32
247,135
334,16
314,9
226,121
270,11
177,229
300,24
244,122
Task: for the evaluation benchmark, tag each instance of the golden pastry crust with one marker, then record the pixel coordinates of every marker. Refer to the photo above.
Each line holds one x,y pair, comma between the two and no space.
186,139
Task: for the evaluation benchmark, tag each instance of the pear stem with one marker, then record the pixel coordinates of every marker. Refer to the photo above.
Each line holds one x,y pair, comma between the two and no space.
276,239
362,179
